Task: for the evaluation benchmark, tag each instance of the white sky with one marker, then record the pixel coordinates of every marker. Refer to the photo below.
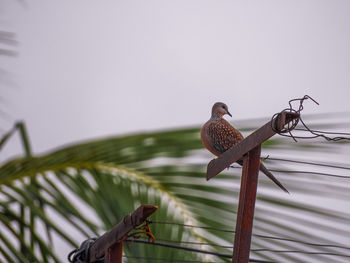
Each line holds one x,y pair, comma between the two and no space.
93,68
88,68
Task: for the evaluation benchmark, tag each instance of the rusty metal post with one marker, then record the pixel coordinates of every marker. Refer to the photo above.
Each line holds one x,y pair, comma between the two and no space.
114,253
110,244
245,216
249,150
256,138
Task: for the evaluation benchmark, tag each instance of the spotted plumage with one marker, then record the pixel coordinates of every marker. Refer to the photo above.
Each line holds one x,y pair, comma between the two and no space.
218,136
223,136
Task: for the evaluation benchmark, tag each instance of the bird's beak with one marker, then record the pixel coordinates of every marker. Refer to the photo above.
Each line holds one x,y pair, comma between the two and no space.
229,113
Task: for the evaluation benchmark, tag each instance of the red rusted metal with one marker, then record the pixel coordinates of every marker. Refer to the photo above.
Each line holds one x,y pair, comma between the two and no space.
110,243
245,216
114,253
249,150
256,138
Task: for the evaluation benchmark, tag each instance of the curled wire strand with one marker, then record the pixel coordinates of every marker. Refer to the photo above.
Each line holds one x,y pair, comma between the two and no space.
81,254
287,130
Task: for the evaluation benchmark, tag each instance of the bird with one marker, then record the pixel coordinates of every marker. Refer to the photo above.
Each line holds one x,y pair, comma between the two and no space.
218,136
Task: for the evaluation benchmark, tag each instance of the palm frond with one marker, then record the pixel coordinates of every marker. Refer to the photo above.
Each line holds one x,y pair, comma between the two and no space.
89,187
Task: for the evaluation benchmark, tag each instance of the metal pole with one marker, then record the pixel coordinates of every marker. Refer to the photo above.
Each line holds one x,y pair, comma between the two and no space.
245,216
114,253
235,153
110,244
249,149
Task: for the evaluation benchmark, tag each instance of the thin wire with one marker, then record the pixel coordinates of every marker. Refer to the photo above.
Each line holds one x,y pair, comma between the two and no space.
179,247
326,132
303,172
304,162
308,172
262,236
193,243
230,256
301,242
257,235
292,124
322,134
186,225
192,249
300,251
168,259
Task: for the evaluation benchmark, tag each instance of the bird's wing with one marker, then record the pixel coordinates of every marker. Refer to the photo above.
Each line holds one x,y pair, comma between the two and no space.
223,136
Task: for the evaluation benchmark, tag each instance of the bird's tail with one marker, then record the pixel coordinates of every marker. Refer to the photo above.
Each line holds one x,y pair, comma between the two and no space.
270,175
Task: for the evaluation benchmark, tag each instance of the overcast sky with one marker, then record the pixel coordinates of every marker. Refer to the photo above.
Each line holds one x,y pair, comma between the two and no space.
88,68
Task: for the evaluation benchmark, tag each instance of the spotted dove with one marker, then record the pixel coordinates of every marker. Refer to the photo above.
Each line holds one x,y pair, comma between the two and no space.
218,136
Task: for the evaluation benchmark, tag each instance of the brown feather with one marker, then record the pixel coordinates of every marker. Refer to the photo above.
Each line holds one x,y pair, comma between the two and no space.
218,136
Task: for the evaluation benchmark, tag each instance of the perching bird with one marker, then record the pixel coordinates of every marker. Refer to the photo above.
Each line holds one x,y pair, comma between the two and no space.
218,136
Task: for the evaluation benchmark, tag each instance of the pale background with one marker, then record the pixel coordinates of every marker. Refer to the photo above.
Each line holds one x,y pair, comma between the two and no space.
88,69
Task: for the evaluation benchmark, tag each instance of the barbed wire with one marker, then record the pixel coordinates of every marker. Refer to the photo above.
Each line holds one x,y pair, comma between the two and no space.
287,130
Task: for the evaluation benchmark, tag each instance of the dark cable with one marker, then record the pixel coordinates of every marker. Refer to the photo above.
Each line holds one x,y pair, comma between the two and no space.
230,256
304,162
335,133
308,172
292,124
261,236
192,249
193,243
300,252
302,172
301,242
186,225
257,235
168,259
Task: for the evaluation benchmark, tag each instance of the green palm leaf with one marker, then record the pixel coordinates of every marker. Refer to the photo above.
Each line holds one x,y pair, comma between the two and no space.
83,190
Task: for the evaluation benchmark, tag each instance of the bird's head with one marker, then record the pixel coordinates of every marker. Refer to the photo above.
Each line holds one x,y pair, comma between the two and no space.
219,109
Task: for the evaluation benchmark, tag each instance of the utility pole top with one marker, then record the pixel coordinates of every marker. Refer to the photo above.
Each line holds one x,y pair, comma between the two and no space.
248,151
243,147
108,242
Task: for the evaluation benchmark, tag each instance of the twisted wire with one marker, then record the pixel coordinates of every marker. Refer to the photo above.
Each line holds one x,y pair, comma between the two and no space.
287,131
